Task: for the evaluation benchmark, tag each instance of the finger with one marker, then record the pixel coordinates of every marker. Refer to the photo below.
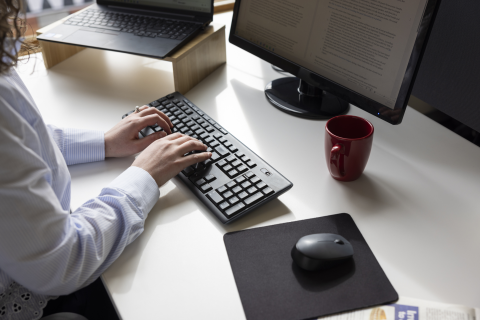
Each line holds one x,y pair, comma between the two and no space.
156,111
136,114
150,120
145,142
174,136
183,140
191,146
195,158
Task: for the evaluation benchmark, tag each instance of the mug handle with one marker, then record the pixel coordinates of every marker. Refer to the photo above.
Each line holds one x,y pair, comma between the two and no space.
335,153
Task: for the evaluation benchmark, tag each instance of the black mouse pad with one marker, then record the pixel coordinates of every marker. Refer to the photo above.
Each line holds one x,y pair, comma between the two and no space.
271,286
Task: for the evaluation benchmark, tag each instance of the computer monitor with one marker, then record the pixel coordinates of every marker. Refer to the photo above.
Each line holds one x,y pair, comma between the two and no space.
341,52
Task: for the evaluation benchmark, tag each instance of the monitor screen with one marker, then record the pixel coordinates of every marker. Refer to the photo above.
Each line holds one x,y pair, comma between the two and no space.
364,46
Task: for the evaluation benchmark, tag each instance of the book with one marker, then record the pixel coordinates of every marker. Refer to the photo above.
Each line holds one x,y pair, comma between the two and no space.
411,309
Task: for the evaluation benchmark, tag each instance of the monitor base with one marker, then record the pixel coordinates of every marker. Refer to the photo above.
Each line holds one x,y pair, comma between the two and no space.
298,98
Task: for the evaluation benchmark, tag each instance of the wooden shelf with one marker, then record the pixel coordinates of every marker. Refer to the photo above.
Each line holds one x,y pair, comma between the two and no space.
191,64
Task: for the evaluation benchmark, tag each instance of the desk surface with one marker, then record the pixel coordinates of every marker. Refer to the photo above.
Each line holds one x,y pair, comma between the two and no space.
421,220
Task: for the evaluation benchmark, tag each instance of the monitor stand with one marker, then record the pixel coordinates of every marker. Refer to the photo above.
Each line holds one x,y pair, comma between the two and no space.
296,97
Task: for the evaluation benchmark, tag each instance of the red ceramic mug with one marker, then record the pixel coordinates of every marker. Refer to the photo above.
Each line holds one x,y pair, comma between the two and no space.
348,141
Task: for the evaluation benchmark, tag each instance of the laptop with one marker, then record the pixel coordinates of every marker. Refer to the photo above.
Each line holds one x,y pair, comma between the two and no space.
152,28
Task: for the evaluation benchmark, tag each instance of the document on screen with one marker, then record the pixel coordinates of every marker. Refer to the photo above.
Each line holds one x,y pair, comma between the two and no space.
364,45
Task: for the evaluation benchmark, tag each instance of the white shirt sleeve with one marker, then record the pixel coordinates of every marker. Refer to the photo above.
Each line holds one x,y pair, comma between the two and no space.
42,246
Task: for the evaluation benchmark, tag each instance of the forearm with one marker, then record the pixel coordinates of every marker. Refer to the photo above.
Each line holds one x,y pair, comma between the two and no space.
67,252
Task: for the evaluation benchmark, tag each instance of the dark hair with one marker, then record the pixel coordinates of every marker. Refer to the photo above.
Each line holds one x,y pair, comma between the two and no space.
12,26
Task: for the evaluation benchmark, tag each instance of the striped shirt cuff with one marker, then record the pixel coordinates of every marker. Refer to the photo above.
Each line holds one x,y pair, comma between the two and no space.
81,146
138,184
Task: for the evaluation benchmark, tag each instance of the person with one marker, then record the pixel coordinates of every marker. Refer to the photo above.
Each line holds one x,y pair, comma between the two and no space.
45,249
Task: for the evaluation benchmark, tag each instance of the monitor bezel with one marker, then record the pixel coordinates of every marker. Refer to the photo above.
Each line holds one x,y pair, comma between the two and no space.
155,9
393,116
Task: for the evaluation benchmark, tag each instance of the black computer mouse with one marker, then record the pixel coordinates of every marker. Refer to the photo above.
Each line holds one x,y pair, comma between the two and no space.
321,251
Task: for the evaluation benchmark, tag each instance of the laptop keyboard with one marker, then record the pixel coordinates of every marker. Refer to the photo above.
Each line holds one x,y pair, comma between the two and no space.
234,181
142,26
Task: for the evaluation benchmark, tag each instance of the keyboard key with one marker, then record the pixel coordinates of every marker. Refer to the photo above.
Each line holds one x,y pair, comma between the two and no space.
249,174
242,168
236,208
228,194
237,189
231,184
215,197
217,136
267,190
210,178
222,139
245,159
224,205
222,151
222,189
251,164
199,131
200,182
209,129
254,198
227,167
195,127
208,162
204,135
221,163
231,158
252,190
205,124
215,156
255,179
240,179
246,185
227,144
236,163
214,143
261,185
206,187
239,154
233,200
188,171
209,139
232,173
243,195
232,148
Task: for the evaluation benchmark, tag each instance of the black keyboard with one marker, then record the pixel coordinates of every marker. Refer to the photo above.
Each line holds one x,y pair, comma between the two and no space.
142,26
234,181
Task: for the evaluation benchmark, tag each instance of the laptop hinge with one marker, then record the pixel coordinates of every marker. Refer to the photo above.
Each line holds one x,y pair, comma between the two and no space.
150,11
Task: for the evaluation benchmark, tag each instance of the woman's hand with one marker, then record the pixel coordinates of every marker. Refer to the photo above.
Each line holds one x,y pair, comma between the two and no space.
122,140
164,158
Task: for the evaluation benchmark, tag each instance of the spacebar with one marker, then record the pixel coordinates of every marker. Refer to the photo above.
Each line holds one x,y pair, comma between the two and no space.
105,27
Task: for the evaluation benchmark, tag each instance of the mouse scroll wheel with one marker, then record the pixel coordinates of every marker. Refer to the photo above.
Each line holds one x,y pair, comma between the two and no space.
339,241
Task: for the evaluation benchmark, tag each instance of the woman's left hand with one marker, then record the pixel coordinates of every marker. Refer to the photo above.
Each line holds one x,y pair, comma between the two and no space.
122,140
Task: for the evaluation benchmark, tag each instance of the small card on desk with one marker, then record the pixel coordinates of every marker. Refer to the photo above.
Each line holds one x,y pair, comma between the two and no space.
271,286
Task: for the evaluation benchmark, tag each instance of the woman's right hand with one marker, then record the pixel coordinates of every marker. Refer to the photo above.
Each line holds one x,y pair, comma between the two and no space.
164,158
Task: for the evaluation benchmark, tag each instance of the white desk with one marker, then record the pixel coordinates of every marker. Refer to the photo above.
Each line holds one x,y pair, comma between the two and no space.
416,204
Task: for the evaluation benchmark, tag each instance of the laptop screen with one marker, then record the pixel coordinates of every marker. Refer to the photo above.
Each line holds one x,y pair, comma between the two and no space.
189,5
